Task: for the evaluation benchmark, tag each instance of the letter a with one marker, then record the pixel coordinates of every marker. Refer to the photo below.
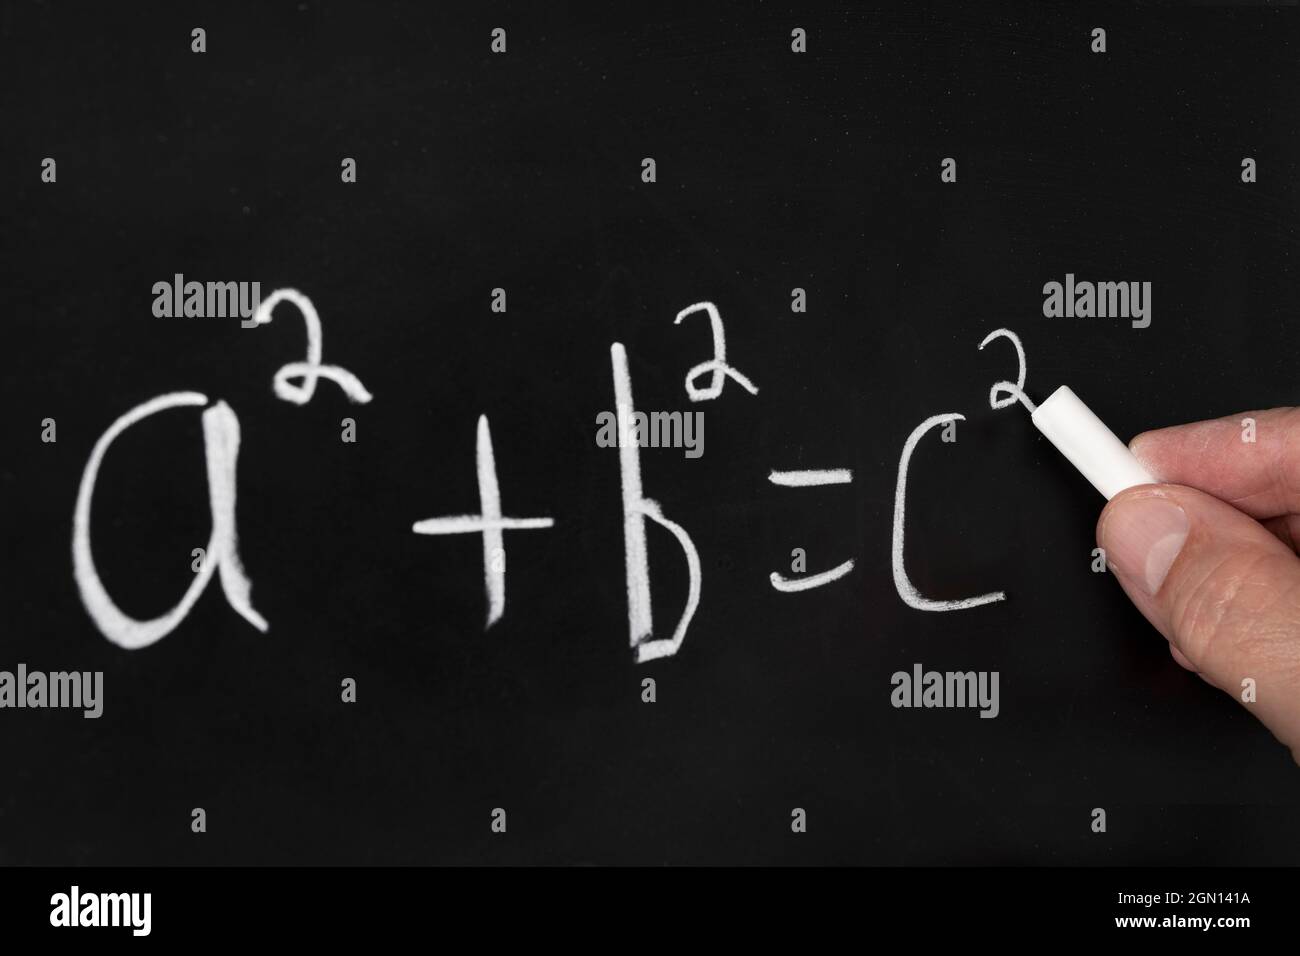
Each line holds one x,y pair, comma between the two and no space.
221,444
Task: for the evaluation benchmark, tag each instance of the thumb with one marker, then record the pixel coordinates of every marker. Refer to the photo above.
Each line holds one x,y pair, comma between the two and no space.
1222,589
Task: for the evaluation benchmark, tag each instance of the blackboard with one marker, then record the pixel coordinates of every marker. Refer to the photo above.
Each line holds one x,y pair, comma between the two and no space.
523,171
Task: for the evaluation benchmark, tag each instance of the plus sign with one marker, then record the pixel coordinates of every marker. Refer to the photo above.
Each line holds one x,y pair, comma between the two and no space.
489,523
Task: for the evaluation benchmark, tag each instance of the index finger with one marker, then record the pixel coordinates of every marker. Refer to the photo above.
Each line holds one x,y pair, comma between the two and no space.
1250,460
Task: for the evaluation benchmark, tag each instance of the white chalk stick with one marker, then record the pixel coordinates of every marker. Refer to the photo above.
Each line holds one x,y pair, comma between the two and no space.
1090,446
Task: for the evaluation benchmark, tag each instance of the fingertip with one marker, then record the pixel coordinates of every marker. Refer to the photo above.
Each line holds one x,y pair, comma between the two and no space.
1143,447
1119,503
1182,658
1138,441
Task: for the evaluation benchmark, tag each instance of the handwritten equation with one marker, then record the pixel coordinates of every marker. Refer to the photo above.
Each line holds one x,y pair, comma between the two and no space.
296,383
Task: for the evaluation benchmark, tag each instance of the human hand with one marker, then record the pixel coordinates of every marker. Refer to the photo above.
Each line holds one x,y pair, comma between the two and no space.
1209,556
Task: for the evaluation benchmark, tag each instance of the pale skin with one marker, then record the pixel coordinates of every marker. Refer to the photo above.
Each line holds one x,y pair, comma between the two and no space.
1209,556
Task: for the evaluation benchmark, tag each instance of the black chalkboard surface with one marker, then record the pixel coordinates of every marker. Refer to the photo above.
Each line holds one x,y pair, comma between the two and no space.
523,171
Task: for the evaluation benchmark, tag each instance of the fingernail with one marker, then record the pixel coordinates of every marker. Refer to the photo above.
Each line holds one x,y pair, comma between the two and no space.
1142,537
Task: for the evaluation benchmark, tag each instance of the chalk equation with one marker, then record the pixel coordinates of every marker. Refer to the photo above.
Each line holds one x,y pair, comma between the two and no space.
296,383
